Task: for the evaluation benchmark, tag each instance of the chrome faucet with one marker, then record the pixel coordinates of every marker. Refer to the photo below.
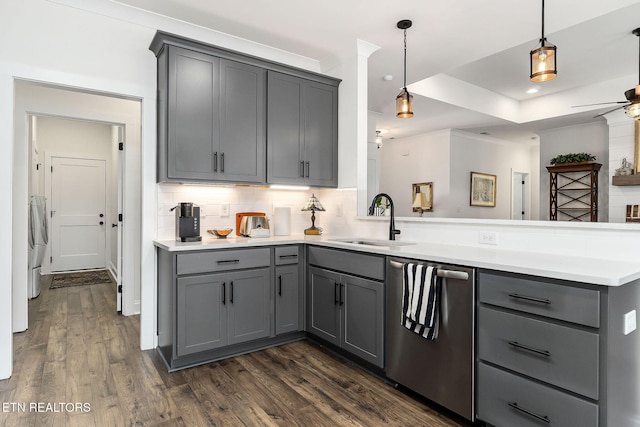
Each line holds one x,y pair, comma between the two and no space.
392,223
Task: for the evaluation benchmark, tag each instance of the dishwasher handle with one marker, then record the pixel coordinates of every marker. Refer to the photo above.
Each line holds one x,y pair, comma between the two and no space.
449,274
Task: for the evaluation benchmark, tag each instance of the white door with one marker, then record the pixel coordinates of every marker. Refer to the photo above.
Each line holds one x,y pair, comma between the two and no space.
78,230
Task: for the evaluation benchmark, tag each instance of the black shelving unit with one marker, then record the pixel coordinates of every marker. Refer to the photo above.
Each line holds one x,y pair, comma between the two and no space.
573,192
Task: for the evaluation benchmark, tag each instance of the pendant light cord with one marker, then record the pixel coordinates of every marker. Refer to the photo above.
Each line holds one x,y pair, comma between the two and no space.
542,40
405,59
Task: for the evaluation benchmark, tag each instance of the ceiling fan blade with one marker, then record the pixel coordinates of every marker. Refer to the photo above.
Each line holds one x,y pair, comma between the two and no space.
610,111
600,103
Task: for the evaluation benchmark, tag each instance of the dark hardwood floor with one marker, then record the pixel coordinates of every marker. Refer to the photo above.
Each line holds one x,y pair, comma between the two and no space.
80,361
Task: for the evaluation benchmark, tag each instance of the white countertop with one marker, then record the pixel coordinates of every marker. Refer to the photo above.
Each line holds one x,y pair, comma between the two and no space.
596,271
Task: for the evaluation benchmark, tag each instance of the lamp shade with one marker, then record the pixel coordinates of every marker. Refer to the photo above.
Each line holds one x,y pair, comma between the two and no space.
404,104
543,63
633,110
313,204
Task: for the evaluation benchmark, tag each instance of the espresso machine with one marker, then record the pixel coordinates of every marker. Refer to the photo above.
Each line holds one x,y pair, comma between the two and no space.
187,222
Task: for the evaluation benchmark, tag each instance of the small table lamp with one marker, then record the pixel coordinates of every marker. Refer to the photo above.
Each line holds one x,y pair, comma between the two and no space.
313,205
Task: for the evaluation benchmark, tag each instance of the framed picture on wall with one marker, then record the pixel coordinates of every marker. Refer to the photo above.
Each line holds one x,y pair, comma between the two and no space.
483,189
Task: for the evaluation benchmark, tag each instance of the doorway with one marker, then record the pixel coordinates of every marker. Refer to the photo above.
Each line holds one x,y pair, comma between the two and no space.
123,116
520,196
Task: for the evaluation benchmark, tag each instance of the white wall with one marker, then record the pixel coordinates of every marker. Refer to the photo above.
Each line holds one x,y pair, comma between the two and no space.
421,158
621,145
589,138
446,158
477,153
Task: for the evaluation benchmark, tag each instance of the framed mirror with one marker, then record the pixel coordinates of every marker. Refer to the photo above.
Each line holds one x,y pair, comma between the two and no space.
422,197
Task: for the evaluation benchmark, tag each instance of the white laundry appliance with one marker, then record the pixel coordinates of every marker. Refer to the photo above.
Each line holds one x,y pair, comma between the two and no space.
38,238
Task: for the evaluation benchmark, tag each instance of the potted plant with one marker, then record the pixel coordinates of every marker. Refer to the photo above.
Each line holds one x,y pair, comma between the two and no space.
572,158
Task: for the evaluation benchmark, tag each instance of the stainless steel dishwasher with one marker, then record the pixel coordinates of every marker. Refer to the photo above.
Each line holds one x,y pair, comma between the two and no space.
441,370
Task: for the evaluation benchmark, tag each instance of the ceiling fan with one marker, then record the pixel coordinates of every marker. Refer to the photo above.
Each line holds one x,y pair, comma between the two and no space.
632,104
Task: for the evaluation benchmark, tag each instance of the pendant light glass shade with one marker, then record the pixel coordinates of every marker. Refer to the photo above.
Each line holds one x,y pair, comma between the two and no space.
633,110
543,59
404,104
543,63
404,100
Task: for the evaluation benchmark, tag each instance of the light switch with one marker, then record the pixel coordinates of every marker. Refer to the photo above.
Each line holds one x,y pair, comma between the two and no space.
629,322
224,209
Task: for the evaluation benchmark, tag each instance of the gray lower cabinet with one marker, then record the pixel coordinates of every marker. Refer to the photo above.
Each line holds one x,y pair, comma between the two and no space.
215,310
214,304
289,290
344,309
201,315
554,353
302,131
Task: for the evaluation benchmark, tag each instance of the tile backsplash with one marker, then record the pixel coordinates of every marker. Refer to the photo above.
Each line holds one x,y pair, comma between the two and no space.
338,218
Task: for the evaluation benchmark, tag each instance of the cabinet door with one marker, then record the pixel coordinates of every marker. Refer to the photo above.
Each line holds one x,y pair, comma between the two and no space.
287,299
321,134
363,318
284,129
201,315
324,308
242,123
248,303
192,101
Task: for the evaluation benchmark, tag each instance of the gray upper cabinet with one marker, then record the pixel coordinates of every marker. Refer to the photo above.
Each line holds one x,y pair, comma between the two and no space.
192,135
302,131
214,106
214,113
242,123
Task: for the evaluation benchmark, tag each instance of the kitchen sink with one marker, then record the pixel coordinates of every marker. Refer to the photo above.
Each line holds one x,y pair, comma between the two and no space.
372,242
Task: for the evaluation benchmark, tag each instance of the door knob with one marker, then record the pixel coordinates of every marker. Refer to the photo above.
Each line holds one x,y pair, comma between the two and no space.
114,225
101,222
101,215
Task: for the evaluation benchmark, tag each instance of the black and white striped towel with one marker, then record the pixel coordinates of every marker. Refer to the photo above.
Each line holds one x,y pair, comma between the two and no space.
421,299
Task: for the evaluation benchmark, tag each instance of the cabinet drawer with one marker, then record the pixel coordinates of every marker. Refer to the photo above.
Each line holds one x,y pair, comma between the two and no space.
202,262
505,400
348,262
286,255
561,302
558,355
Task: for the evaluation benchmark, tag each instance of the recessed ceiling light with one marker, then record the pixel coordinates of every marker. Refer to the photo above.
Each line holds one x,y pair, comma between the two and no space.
532,90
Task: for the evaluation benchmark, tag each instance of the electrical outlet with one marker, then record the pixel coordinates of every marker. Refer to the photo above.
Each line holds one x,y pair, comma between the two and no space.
629,322
487,238
224,209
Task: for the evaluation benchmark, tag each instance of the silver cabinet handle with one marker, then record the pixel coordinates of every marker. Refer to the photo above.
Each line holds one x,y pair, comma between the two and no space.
516,344
532,299
517,407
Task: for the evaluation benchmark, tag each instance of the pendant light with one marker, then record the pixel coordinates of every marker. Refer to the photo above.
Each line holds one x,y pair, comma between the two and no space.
543,59
404,100
633,95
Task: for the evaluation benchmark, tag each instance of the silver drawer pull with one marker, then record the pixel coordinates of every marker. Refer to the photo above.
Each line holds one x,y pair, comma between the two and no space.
229,261
533,299
531,349
515,406
288,256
